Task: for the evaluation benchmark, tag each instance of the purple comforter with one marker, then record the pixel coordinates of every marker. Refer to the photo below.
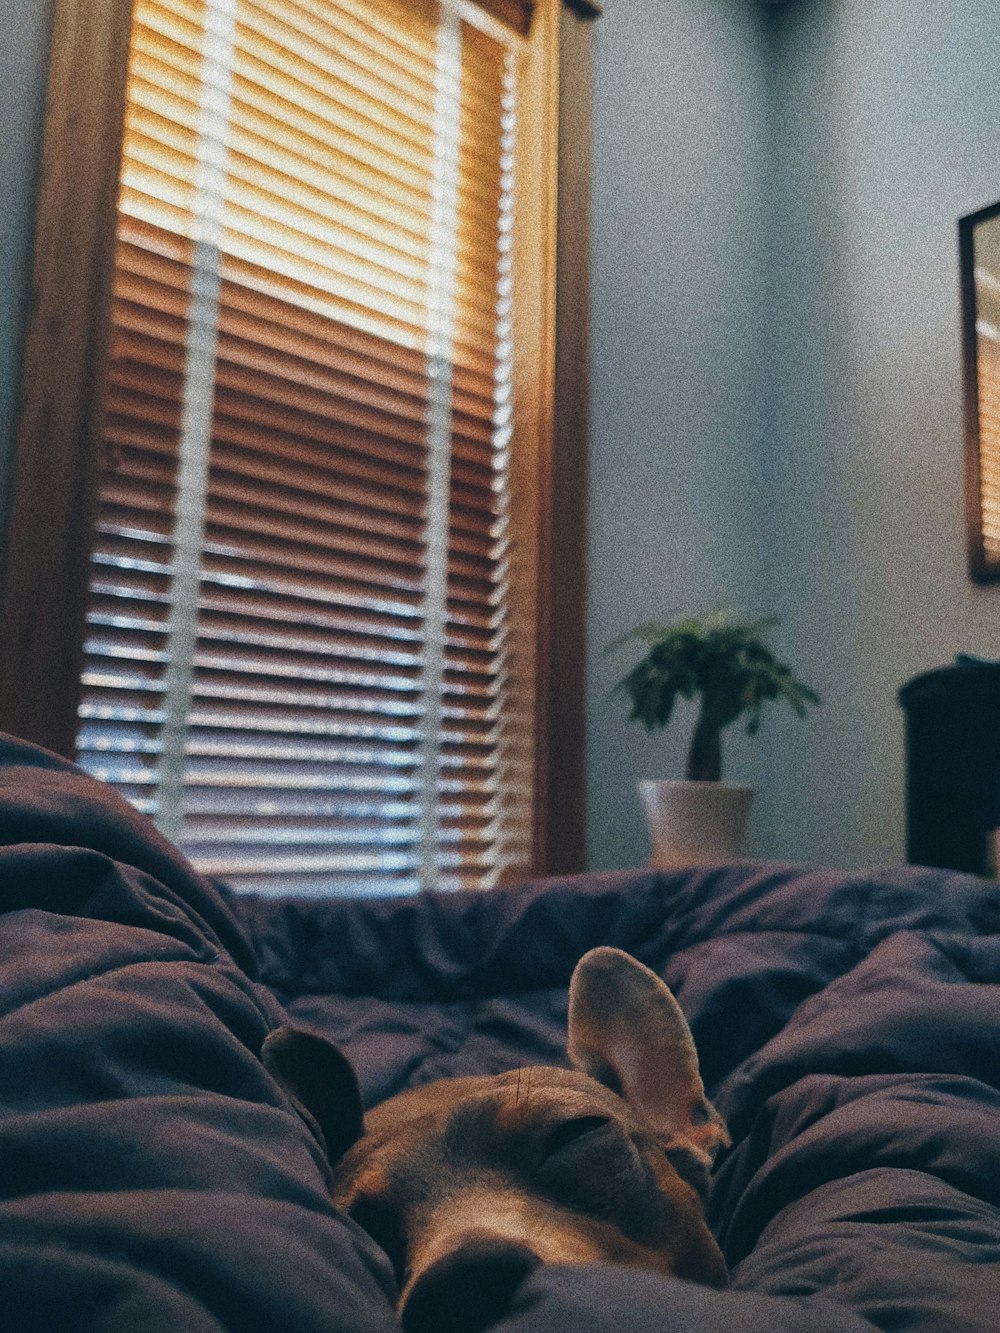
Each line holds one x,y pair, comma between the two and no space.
153,1177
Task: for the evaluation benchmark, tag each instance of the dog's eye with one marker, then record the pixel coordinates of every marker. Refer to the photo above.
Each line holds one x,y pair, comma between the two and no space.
591,1165
384,1226
572,1131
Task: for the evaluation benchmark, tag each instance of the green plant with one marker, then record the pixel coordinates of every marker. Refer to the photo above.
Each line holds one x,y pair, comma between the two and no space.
726,664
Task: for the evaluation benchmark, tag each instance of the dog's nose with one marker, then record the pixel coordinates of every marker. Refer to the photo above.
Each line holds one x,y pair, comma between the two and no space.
469,1289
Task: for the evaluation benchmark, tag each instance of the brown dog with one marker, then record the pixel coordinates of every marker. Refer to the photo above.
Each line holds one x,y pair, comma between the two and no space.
470,1183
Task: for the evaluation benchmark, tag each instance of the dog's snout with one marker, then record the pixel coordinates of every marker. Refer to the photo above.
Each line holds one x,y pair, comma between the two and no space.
469,1289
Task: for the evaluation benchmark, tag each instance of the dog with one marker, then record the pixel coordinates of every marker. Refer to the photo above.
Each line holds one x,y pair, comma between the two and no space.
468,1184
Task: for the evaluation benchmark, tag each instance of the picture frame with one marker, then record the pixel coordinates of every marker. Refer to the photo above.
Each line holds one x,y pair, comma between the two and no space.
979,277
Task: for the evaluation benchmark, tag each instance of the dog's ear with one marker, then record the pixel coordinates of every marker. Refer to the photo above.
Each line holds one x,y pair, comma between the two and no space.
319,1081
627,1031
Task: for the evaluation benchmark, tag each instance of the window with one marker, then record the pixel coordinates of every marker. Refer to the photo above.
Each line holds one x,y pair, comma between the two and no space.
319,549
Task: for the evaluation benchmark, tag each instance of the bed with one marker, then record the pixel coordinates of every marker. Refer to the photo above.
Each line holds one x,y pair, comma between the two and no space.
153,1176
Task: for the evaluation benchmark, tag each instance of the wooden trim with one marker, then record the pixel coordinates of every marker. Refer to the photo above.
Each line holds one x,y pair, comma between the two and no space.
44,578
983,568
564,653
534,381
515,14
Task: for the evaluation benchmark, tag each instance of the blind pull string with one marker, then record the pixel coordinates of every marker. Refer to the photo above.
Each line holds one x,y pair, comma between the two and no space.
198,407
440,349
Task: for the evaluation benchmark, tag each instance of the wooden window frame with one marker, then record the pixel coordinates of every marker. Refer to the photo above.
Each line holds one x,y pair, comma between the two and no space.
55,470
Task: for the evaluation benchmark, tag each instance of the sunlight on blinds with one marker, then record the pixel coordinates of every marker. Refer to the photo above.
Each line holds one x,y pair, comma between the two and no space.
988,355
301,616
989,438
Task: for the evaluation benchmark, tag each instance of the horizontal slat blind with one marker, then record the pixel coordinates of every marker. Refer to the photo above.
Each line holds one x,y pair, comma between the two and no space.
982,234
988,344
301,615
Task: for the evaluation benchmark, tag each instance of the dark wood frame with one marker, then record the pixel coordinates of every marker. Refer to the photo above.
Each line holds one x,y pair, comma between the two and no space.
561,794
982,567
54,473
44,568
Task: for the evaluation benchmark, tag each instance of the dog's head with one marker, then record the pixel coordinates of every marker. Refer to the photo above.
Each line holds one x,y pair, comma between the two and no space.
470,1183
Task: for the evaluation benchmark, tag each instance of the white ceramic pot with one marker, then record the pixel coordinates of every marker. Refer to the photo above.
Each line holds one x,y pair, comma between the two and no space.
696,823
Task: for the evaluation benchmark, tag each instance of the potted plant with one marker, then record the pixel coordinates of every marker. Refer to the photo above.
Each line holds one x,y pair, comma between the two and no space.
727,666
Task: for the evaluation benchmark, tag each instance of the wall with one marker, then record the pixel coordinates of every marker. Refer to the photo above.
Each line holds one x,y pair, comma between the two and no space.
886,122
679,425
876,128
23,63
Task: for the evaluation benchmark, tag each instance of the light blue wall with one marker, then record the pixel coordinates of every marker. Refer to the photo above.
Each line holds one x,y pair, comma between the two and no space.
23,61
680,455
887,129
847,137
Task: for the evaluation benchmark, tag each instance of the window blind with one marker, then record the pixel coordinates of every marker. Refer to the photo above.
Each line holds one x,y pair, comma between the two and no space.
989,440
310,621
988,378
